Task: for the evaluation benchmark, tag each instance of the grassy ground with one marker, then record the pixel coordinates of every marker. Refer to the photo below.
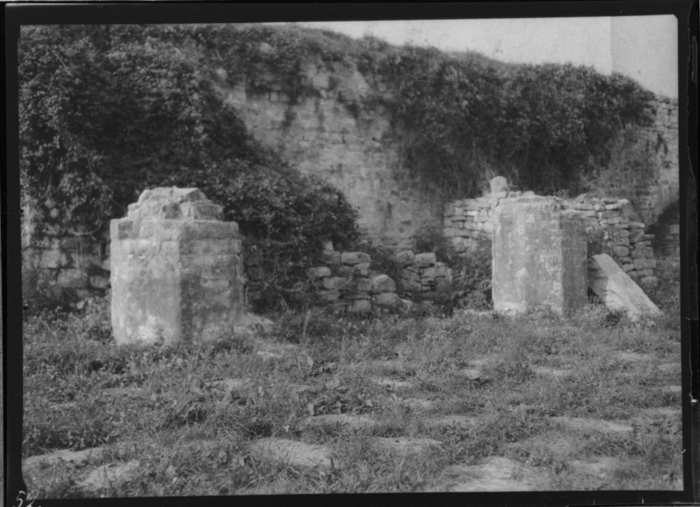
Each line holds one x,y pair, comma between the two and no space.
521,385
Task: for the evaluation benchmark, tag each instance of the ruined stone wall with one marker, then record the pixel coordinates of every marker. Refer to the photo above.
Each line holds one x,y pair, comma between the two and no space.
659,145
611,223
340,132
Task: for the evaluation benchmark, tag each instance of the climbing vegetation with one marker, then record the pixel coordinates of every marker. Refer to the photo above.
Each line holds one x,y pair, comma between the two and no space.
108,111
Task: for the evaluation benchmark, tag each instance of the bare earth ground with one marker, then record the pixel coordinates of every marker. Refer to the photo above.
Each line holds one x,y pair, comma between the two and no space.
320,404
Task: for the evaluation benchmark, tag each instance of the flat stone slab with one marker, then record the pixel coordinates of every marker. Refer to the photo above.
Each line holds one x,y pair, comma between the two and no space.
227,385
558,373
291,452
406,446
417,403
271,350
450,421
617,290
599,467
469,374
632,357
674,389
339,421
109,476
67,456
494,474
392,383
582,424
670,368
556,445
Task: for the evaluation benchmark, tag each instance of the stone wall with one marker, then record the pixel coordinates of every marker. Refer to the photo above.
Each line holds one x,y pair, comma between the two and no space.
69,263
421,273
660,142
347,283
609,221
341,133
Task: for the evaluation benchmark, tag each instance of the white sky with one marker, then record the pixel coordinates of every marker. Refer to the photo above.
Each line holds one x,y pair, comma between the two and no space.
581,41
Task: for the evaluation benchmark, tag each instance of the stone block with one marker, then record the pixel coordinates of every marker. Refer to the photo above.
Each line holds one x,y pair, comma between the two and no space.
72,278
176,272
361,285
499,184
352,258
361,269
621,251
318,272
386,299
328,296
425,259
335,283
360,306
405,258
331,257
98,282
383,283
617,290
539,257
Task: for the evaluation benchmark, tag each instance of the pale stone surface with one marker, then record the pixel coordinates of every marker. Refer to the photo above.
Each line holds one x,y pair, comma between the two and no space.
617,290
109,476
499,184
291,452
539,257
386,299
588,425
392,383
494,474
339,421
404,445
383,283
176,272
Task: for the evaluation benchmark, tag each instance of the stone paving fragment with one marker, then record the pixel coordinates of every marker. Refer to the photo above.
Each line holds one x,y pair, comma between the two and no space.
291,452
670,368
583,424
342,421
406,446
417,403
546,371
109,476
450,421
600,467
66,456
392,383
674,389
632,357
469,374
494,474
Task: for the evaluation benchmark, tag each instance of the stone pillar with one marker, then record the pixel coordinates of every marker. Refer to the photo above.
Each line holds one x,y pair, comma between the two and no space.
177,271
539,257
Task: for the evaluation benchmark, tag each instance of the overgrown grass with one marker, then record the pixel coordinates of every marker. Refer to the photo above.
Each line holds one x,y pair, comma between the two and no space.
160,406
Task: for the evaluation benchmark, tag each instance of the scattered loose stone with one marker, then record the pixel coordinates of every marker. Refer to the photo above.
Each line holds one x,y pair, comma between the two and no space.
292,452
582,424
403,445
109,476
228,385
343,421
674,389
617,290
270,350
495,474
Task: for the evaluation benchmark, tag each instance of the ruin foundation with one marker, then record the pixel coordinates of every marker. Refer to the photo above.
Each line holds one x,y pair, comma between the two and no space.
539,257
176,270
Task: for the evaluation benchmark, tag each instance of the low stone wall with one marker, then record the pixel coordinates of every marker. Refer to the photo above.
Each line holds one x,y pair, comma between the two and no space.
71,263
610,221
348,283
421,273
